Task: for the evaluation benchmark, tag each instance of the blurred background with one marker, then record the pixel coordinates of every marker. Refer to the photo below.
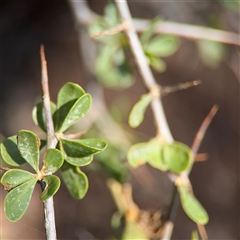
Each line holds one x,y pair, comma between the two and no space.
26,24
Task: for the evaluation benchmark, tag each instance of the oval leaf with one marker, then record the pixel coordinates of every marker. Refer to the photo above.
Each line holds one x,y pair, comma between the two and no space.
83,147
155,155
137,114
177,156
52,185
52,160
18,199
28,145
71,112
69,91
75,180
79,162
138,154
211,53
157,63
10,152
162,46
38,114
15,177
150,152
192,207
149,32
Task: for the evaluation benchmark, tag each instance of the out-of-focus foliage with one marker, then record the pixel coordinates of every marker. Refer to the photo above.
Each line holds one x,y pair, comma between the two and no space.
211,53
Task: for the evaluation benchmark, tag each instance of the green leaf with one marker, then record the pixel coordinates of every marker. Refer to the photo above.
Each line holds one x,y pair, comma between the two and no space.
149,32
155,155
133,231
82,147
79,162
75,180
38,114
71,112
52,186
28,145
52,160
150,152
15,177
194,235
68,92
157,63
111,14
177,156
10,152
137,114
162,46
18,199
111,60
211,53
192,207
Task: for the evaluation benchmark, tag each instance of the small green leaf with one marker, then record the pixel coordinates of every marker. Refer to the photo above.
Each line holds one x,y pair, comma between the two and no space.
70,91
111,14
138,154
82,147
177,156
10,152
149,32
137,114
111,60
28,145
133,231
79,162
38,114
194,235
157,63
155,155
18,199
52,186
52,160
75,180
192,207
162,46
71,112
150,152
211,53
15,177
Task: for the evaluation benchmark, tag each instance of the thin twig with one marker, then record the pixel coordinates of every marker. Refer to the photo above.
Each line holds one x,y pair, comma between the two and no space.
145,71
202,231
178,87
190,31
117,29
195,146
49,215
86,16
202,130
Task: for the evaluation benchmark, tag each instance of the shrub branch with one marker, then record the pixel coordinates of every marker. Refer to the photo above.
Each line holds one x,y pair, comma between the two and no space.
48,205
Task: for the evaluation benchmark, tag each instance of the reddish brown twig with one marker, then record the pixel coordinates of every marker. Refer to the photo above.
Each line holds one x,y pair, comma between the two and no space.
202,130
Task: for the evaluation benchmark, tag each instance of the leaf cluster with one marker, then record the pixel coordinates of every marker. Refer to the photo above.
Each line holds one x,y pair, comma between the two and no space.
72,105
175,157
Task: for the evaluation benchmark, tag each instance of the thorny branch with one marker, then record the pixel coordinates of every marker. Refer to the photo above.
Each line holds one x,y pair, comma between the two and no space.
145,71
48,205
184,30
85,16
